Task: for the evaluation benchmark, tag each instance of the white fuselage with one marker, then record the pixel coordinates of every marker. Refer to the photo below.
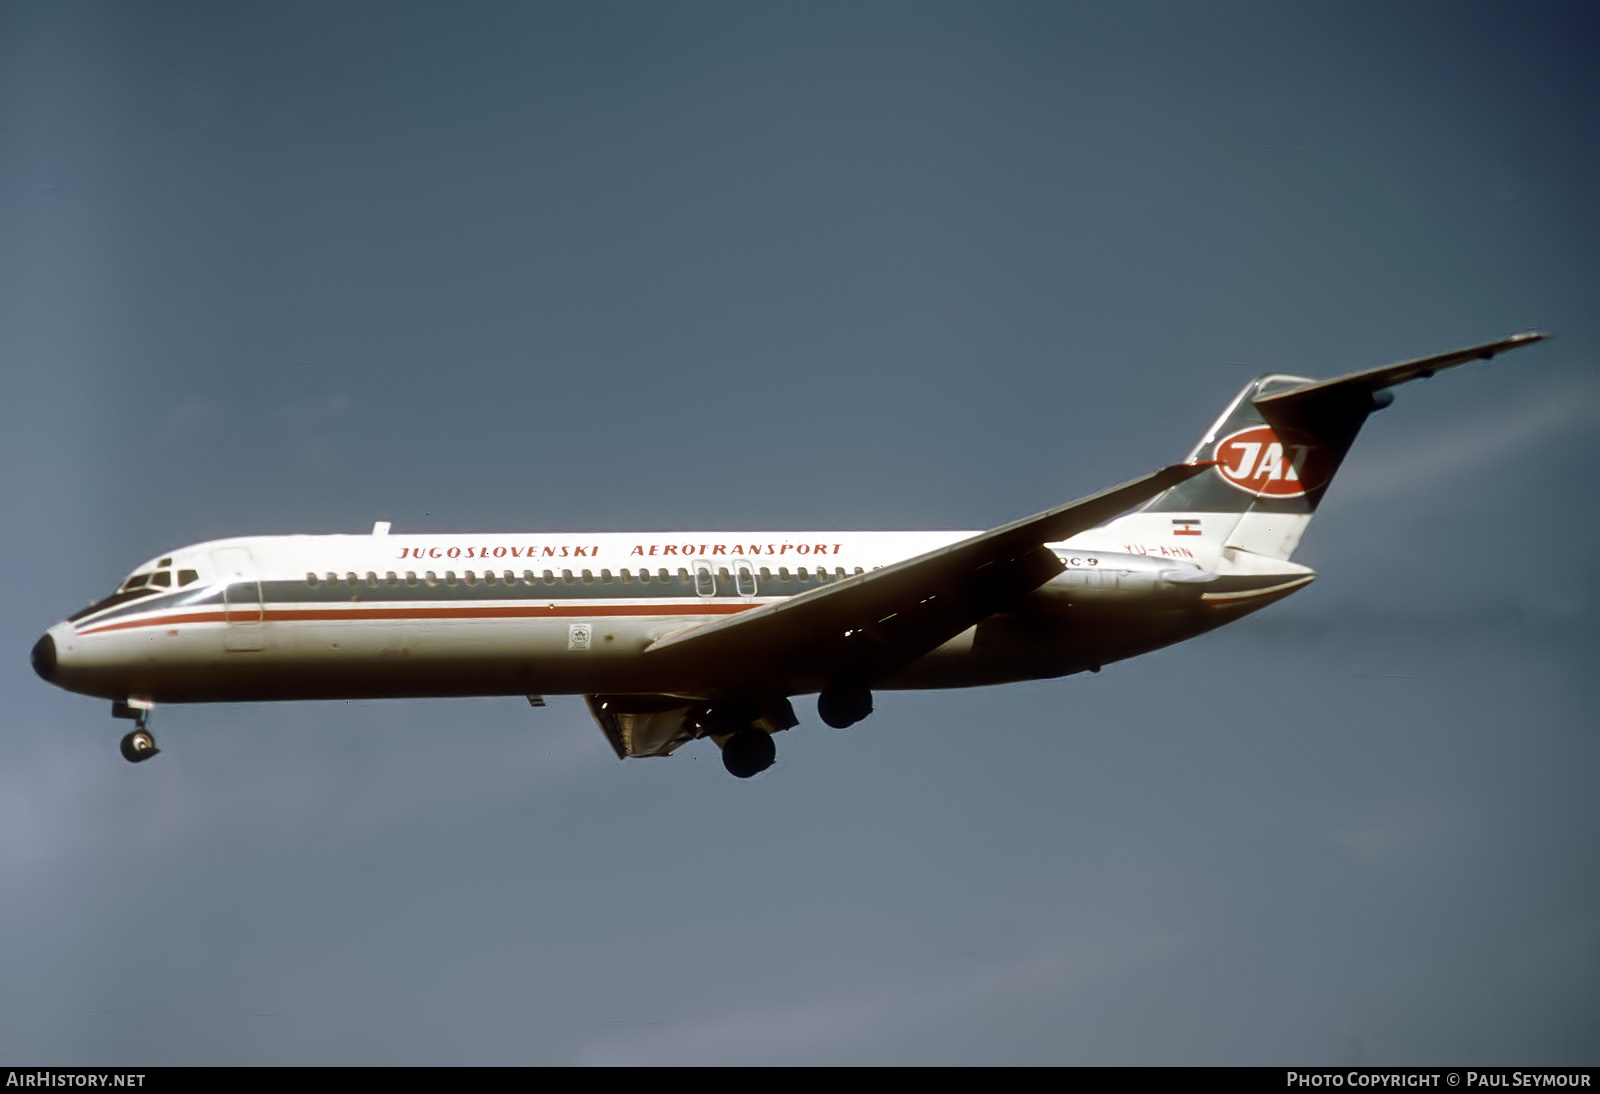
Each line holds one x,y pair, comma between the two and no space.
368,616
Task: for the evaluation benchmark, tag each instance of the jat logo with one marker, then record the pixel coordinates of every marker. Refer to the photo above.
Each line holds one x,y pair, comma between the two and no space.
1258,462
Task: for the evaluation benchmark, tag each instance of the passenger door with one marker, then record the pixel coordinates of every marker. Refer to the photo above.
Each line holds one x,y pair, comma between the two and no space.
241,597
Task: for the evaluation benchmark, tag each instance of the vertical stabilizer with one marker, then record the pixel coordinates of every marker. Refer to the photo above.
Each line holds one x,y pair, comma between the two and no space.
1275,449
1271,469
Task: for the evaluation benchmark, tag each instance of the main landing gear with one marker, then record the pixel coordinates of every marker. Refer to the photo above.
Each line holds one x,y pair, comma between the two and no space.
749,749
139,745
744,729
843,705
748,752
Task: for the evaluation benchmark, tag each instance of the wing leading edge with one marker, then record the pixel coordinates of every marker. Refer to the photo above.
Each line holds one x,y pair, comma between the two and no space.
868,625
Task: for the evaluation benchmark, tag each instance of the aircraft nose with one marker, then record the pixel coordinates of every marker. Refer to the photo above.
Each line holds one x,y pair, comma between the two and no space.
44,658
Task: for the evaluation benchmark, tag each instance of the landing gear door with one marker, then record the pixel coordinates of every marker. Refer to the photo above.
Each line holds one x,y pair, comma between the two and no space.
241,596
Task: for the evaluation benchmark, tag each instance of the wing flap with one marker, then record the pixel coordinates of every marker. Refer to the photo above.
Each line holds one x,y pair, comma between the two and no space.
642,725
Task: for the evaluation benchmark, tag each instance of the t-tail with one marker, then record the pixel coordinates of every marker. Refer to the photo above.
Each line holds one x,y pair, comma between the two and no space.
1275,451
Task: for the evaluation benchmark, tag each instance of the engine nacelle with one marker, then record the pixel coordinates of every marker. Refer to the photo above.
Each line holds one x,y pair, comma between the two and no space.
1098,577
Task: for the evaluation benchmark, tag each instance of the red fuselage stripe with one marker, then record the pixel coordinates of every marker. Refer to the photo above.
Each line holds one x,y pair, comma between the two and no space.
544,611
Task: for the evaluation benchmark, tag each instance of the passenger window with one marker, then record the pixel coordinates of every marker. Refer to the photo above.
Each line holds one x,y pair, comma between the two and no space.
392,578
470,578
766,574
372,580
566,576
549,577
311,579
510,577
627,578
528,577
430,579
189,577
350,579
605,577
449,577
662,574
644,576
588,578
803,574
783,573
411,577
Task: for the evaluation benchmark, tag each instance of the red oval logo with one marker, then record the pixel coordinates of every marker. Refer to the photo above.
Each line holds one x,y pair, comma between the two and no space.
1258,461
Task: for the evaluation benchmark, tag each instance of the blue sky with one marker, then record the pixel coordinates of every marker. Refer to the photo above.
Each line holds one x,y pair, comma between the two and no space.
561,267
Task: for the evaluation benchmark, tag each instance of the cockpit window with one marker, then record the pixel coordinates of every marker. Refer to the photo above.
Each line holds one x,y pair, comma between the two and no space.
121,596
147,583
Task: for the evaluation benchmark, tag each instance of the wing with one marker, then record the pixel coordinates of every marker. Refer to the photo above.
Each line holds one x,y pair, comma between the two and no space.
865,626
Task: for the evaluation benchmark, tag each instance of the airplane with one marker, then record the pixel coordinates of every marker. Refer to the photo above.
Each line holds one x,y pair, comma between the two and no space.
673,637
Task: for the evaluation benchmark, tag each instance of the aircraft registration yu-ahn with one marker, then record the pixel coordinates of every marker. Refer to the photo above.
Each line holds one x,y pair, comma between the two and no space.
675,637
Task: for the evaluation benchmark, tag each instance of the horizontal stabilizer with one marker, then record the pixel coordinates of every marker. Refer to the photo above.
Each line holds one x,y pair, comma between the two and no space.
1276,448
1376,379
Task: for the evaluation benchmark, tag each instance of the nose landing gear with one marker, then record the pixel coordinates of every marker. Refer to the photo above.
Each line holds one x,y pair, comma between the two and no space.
139,745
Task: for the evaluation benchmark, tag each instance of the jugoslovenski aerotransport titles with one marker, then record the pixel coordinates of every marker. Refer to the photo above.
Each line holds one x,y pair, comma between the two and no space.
673,637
